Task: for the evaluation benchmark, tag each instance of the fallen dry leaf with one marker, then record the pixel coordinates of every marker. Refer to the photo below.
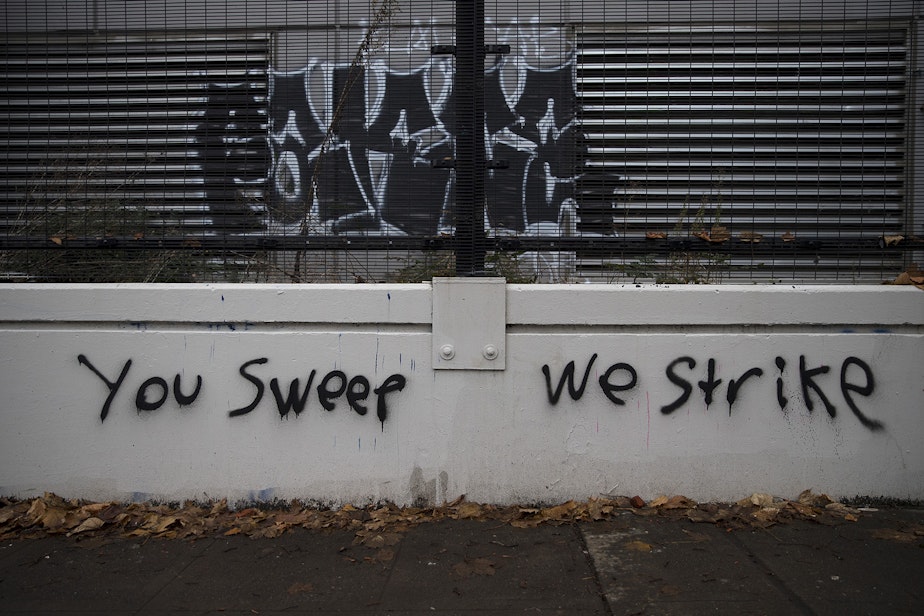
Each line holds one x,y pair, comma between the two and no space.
7,514
671,590
599,509
95,508
558,513
766,516
466,511
892,240
167,523
298,588
758,499
477,566
385,555
806,511
706,517
716,235
678,502
270,532
807,497
638,546
88,524
911,276
890,534
655,235
295,518
219,507
377,541
456,501
55,518
381,527
36,511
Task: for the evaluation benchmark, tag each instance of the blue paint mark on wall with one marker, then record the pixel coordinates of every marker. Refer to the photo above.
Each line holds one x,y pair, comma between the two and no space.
264,495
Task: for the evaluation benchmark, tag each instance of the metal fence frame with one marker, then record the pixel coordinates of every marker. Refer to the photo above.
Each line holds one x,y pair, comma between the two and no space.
469,242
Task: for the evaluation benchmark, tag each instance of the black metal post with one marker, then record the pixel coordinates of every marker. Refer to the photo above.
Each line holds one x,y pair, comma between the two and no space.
470,146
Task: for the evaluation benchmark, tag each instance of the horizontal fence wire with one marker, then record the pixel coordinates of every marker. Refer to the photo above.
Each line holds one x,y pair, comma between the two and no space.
647,141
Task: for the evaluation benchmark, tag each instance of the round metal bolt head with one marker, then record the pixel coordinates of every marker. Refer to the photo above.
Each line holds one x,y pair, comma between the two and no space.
447,351
490,351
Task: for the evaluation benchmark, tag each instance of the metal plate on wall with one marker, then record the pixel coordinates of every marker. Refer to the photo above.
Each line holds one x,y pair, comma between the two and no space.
469,323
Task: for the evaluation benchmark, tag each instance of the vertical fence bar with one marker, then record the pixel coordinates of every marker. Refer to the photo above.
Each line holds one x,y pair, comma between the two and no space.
470,152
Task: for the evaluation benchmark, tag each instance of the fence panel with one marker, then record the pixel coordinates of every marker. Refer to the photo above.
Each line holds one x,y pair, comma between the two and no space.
395,140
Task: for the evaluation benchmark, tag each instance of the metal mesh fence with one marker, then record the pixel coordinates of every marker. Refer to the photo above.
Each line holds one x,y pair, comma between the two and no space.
396,140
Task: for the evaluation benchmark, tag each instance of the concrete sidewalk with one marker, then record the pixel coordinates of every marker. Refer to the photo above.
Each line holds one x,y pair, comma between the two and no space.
659,566
630,564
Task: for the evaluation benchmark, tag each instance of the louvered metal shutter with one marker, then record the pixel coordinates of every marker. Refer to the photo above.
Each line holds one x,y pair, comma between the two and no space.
172,128
796,132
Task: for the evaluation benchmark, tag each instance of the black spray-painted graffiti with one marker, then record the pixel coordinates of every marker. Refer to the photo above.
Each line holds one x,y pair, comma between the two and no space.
390,121
154,392
622,377
231,150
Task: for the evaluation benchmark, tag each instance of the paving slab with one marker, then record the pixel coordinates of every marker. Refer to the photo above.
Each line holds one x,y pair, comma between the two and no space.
485,567
444,567
59,574
299,570
655,565
652,565
629,564
872,566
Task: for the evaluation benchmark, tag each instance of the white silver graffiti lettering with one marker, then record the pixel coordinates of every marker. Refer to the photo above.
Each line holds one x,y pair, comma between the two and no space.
381,137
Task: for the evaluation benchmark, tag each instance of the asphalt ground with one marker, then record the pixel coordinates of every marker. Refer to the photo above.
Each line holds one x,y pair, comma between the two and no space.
633,562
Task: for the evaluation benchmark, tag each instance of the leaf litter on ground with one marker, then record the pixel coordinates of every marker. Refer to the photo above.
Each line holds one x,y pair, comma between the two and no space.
380,527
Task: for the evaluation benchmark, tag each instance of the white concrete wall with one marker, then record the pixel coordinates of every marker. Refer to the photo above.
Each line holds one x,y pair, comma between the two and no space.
492,433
